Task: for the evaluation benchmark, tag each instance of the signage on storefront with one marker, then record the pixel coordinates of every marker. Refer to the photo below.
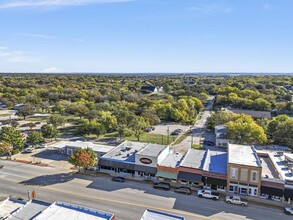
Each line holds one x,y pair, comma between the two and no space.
145,160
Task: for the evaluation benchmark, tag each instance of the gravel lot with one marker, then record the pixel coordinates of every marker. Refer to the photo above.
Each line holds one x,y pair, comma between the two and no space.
163,127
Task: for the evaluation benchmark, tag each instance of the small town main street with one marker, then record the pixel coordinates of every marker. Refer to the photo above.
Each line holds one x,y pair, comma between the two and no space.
126,200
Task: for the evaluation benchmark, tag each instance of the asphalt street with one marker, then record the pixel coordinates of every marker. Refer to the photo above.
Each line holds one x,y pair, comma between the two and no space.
126,200
197,131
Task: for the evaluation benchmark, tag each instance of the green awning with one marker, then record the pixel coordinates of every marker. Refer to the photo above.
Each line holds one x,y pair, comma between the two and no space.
167,175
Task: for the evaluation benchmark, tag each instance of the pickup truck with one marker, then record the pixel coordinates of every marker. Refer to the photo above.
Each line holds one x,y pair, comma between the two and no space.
236,200
288,210
208,194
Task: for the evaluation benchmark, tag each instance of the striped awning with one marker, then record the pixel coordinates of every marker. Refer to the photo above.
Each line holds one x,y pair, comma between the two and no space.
167,175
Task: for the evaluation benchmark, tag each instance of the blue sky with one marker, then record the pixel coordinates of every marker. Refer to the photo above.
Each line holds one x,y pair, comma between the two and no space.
146,36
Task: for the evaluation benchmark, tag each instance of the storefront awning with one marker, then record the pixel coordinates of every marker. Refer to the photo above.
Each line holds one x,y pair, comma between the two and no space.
272,191
191,177
288,193
167,175
216,182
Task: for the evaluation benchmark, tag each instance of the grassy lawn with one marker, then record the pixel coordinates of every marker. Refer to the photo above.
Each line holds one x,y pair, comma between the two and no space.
71,130
197,147
152,138
5,115
182,137
35,119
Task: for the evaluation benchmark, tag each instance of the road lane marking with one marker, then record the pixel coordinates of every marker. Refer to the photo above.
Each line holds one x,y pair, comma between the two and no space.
126,203
10,174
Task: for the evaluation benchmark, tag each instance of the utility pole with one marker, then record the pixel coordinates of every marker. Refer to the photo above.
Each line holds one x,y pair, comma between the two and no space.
168,130
191,138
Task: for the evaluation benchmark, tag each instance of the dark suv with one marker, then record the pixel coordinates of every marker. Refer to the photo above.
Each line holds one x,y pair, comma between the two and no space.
183,190
162,185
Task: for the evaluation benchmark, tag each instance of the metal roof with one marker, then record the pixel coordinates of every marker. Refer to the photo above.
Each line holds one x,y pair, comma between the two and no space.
77,144
243,155
216,161
152,150
151,214
61,211
194,159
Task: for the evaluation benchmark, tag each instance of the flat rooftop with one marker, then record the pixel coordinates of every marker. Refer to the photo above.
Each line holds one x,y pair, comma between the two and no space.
282,166
30,210
61,211
194,159
9,206
172,160
125,151
152,150
77,144
216,161
268,170
150,214
243,155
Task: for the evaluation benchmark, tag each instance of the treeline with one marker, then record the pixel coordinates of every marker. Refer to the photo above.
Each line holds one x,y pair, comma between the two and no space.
243,129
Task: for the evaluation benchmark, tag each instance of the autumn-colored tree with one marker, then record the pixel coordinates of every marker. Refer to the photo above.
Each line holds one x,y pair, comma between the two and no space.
83,158
6,148
244,130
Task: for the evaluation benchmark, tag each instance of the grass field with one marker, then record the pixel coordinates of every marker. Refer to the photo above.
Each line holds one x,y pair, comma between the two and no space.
152,138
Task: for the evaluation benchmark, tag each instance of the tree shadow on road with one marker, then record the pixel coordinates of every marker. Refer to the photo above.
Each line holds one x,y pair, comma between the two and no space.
47,180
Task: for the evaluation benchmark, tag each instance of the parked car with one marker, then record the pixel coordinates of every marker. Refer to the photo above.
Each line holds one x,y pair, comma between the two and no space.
92,168
41,146
264,196
148,129
177,132
209,143
29,150
276,198
208,194
162,185
183,190
288,210
236,200
118,179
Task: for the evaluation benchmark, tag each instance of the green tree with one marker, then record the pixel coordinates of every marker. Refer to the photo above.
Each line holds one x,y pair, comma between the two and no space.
84,158
56,120
25,111
108,120
244,130
49,131
138,125
12,136
279,129
35,137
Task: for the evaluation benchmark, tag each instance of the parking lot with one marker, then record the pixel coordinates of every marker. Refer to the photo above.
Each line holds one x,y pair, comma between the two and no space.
162,128
45,156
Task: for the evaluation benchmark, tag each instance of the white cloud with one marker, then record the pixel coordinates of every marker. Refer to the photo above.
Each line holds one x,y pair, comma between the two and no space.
35,35
17,56
211,8
53,3
52,70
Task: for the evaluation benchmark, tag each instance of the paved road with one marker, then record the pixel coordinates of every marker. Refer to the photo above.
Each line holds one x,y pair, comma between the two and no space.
197,131
127,200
